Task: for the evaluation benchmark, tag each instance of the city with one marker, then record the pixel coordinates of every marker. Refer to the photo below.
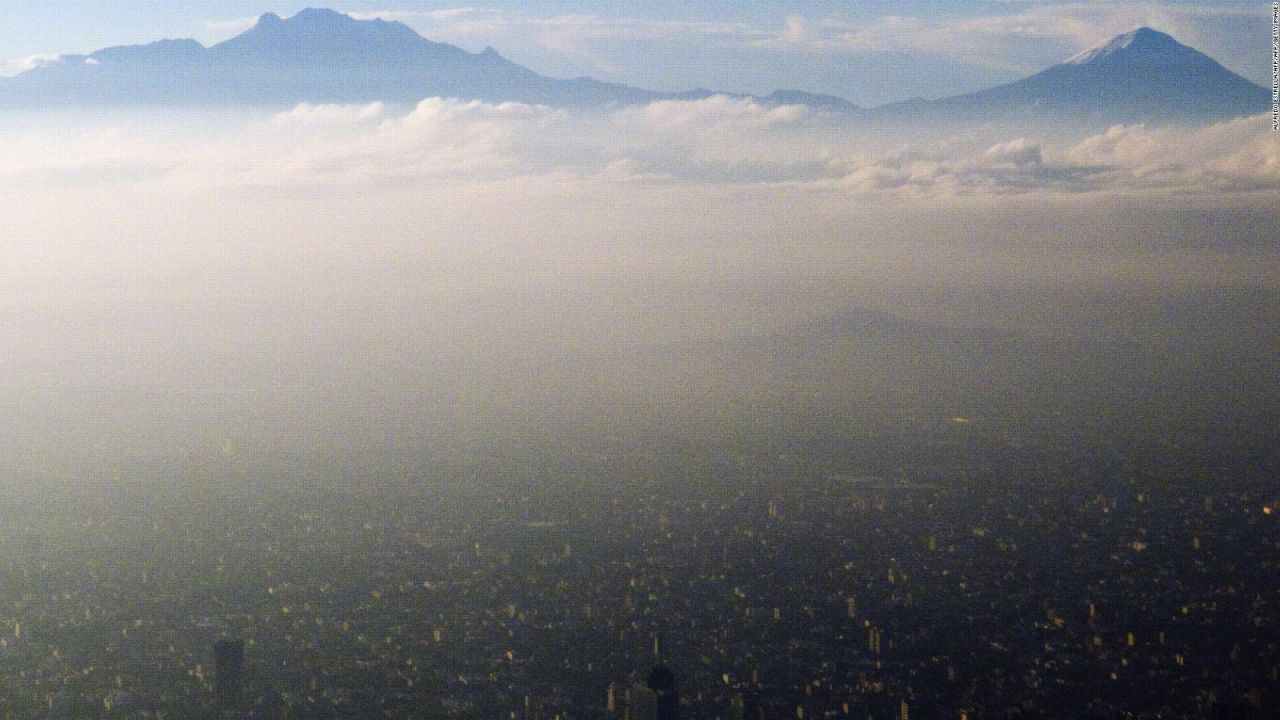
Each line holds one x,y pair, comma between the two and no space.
968,574
887,360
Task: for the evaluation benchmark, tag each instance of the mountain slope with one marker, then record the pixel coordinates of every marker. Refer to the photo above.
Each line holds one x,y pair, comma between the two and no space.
324,56
1140,76
314,56
317,56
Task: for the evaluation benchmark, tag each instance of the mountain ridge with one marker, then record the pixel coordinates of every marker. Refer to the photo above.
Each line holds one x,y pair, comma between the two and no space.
320,55
1140,76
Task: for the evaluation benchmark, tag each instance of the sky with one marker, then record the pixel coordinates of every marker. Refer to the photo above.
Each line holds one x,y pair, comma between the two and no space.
869,52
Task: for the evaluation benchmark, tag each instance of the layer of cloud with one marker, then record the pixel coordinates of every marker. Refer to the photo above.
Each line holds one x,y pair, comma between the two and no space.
1238,155
1016,166
716,141
719,113
308,115
1234,157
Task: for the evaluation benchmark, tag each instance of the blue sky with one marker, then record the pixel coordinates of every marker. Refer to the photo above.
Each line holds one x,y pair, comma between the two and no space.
870,52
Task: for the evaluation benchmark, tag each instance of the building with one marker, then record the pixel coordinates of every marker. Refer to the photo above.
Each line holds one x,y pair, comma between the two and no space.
662,681
229,671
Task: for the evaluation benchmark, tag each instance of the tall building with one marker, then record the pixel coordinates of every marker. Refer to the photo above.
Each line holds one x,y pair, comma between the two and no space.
662,681
228,658
746,706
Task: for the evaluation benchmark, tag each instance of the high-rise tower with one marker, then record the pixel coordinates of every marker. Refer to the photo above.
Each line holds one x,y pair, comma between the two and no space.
228,658
662,681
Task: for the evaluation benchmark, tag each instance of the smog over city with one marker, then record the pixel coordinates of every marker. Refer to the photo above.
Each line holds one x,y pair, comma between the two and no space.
622,361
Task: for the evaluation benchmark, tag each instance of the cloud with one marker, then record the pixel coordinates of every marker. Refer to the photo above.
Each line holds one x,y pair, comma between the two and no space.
1023,41
717,113
1012,167
15,67
1240,155
718,141
1237,157
306,114
439,139
1015,153
409,16
229,26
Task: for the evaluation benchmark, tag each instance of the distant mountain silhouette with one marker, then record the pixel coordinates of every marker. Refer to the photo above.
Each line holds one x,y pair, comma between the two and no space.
322,56
315,56
1140,76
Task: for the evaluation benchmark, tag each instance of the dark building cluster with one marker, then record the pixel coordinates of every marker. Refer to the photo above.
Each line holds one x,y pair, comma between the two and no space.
968,576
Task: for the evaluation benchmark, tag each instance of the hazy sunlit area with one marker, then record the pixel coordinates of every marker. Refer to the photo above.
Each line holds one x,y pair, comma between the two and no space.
364,277
341,384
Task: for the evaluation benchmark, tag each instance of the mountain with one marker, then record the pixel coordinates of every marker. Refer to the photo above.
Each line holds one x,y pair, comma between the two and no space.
318,56
864,360
1140,76
315,56
322,56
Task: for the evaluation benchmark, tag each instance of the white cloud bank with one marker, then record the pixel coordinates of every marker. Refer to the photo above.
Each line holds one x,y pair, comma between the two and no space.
717,141
1238,157
464,195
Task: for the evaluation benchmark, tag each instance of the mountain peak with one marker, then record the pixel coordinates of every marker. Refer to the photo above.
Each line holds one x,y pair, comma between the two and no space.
1141,76
320,56
321,16
1141,42
308,20
317,30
